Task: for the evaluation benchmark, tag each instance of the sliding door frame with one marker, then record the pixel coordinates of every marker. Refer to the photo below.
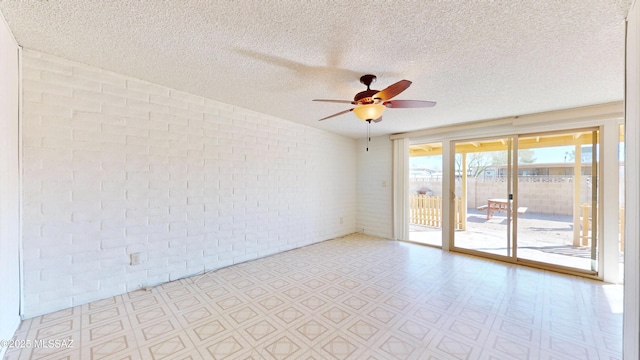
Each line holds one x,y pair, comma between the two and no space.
511,235
597,192
606,117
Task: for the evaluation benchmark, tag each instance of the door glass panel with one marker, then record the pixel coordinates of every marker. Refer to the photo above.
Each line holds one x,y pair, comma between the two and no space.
557,198
425,184
482,220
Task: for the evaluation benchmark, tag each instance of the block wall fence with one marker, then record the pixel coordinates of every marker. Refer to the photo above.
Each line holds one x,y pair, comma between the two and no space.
114,166
551,198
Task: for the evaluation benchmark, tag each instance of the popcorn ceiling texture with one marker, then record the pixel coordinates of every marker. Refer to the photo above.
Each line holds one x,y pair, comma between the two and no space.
477,59
115,166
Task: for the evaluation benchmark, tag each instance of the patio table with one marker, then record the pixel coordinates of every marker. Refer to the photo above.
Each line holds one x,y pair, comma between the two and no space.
498,205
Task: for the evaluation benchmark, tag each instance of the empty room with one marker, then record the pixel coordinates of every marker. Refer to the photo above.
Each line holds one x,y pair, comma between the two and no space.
319,179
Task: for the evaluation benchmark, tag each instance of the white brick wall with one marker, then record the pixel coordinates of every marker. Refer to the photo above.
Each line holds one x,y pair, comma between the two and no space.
114,166
9,185
375,188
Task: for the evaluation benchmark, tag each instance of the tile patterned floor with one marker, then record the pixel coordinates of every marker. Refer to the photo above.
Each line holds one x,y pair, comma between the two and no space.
355,297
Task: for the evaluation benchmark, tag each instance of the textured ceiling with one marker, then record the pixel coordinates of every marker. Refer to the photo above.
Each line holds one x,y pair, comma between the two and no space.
477,59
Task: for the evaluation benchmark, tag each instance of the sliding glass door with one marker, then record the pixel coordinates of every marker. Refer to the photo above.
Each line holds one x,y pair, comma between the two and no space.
558,198
425,199
529,198
483,188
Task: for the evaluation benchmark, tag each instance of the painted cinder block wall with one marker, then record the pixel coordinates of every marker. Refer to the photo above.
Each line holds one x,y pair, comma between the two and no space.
114,166
9,185
375,186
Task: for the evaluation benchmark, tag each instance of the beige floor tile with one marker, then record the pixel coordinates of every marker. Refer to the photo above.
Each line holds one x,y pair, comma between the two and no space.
355,297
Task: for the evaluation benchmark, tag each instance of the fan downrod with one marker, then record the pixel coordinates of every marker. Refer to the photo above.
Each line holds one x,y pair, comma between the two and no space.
368,80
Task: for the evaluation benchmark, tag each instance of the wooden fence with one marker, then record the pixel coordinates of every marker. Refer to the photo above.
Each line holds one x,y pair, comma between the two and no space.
427,210
585,228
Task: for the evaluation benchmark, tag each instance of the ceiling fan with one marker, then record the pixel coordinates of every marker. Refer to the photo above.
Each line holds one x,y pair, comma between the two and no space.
370,104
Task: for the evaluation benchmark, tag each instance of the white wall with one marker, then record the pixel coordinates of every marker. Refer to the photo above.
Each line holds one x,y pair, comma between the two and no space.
9,185
375,186
631,347
114,166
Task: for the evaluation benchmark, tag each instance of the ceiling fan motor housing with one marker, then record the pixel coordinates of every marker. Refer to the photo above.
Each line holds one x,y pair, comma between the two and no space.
365,97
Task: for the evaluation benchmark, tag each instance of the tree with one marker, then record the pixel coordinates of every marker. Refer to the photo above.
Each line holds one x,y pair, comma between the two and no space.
477,163
526,156
499,158
585,154
569,155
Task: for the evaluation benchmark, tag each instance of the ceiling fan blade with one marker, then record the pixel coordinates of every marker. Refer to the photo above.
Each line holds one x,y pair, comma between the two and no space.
337,101
378,120
392,90
408,103
336,114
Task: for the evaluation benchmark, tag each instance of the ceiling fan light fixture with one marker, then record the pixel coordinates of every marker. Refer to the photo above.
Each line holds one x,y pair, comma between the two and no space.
370,104
369,111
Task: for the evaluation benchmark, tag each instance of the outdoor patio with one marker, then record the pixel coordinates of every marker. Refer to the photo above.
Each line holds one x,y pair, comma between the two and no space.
541,237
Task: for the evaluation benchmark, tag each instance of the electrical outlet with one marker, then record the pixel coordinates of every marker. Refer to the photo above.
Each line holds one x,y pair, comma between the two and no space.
384,183
134,259
341,221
